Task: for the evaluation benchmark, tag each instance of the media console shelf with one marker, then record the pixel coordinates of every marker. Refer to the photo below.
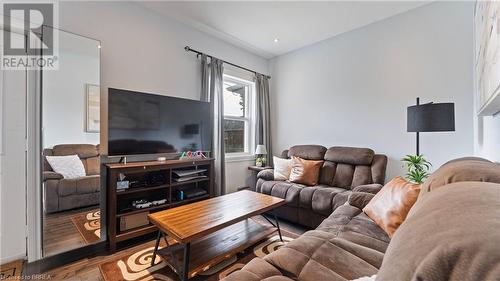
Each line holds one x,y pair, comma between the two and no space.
154,181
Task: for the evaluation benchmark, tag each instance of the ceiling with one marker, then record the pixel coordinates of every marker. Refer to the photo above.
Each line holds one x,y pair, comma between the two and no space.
255,25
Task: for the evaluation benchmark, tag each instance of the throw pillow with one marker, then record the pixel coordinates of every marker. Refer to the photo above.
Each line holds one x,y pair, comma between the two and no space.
69,166
282,168
305,171
390,206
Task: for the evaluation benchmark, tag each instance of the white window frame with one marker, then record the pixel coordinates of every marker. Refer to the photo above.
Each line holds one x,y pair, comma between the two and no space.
249,119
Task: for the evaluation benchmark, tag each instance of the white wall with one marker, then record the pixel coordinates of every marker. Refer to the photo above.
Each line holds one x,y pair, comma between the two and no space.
144,51
353,89
64,92
487,137
12,165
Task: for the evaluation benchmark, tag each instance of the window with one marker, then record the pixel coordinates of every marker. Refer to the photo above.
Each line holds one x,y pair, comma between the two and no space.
238,114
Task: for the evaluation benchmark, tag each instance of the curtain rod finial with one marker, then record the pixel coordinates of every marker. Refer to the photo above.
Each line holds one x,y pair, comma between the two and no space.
187,48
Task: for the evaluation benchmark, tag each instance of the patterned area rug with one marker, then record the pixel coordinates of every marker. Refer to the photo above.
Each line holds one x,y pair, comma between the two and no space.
137,266
11,271
89,225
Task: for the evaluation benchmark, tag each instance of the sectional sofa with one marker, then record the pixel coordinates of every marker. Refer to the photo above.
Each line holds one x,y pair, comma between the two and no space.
345,169
451,233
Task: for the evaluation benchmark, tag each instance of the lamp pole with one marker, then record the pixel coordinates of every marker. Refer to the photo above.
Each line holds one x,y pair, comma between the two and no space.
418,137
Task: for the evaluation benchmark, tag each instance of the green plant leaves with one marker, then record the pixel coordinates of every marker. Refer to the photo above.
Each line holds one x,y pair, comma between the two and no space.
417,168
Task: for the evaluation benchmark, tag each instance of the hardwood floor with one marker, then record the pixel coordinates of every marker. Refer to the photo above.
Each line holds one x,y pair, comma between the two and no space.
59,232
11,270
87,269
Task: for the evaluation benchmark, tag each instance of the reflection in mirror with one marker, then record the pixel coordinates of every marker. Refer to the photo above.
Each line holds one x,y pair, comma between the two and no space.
70,142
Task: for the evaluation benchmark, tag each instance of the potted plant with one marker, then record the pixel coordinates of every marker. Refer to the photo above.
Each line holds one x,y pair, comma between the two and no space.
417,168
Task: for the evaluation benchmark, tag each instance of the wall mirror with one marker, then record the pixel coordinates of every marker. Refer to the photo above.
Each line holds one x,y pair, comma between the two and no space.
70,103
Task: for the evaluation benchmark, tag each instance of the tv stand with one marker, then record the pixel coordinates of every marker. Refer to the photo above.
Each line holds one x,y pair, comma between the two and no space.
119,202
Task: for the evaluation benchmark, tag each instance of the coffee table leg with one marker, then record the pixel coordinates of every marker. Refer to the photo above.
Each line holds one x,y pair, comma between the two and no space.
278,226
158,238
185,269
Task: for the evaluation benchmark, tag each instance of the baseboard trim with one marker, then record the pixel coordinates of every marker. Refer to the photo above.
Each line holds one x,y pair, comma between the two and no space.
48,263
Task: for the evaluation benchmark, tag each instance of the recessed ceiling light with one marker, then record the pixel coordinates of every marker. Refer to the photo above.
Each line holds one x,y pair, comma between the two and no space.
276,40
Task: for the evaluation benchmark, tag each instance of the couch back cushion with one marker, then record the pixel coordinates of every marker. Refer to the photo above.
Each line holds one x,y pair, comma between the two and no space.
344,167
308,152
348,167
88,153
462,169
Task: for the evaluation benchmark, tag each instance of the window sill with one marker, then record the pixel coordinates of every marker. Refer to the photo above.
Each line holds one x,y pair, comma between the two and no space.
237,157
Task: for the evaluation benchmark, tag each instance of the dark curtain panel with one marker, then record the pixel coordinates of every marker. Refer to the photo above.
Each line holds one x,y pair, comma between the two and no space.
263,120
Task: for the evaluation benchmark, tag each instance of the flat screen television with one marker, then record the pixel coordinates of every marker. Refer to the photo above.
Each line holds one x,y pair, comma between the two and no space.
142,123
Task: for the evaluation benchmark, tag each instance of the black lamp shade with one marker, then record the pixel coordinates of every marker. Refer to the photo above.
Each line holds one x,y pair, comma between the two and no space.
431,117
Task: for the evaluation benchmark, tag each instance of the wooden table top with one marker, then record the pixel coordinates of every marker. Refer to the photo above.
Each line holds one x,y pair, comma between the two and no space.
193,221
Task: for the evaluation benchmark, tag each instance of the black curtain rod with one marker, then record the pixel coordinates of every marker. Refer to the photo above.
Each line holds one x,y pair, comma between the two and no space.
188,49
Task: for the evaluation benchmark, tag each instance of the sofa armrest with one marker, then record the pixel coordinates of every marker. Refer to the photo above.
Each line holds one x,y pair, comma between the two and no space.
359,199
267,174
49,175
369,188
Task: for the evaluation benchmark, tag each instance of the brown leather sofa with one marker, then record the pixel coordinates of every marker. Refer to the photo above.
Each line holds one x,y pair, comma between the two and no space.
64,194
451,233
345,169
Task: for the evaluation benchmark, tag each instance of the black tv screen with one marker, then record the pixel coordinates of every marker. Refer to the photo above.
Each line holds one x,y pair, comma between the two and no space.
141,123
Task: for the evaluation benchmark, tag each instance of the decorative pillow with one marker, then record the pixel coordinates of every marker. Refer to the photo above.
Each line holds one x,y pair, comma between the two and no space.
305,171
282,168
390,206
69,166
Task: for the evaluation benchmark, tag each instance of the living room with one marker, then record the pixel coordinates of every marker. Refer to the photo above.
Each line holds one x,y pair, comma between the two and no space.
291,125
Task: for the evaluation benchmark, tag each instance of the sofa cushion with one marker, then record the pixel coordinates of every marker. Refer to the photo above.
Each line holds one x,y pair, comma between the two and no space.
343,176
67,187
462,169
82,150
88,184
359,199
256,270
325,200
379,166
390,206
286,190
305,171
350,155
267,174
310,194
352,224
451,234
83,185
309,152
319,255
327,173
370,188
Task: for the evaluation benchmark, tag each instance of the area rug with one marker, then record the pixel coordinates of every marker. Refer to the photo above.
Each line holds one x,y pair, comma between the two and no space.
88,225
12,270
137,266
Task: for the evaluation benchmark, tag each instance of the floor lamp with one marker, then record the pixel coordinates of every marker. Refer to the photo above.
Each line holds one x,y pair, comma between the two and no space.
430,117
